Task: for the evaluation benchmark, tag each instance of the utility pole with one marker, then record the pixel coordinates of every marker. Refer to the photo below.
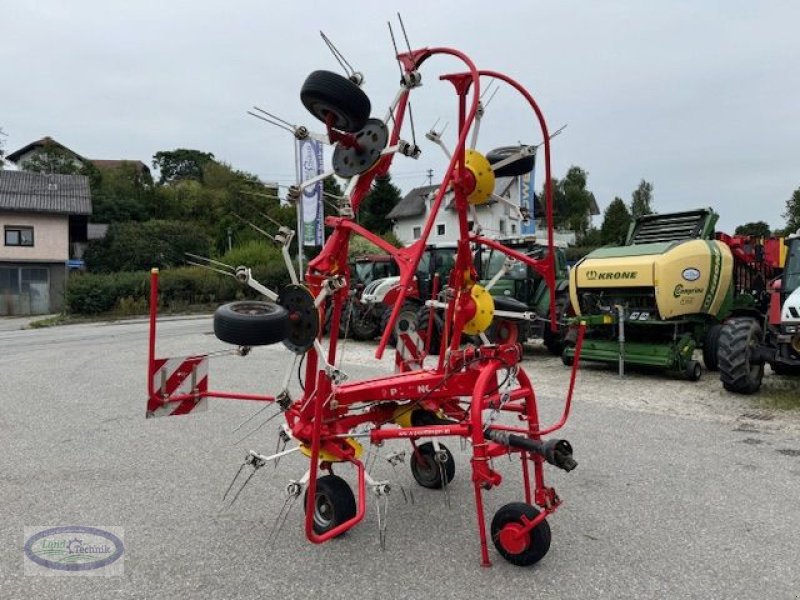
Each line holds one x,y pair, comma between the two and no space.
430,176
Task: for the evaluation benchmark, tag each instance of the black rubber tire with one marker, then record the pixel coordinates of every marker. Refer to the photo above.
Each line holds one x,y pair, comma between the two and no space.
425,470
325,92
334,503
538,542
521,166
711,348
567,360
408,315
363,324
423,318
736,371
251,323
783,369
693,371
504,331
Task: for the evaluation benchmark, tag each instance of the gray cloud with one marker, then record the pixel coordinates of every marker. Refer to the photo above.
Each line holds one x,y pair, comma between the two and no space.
699,98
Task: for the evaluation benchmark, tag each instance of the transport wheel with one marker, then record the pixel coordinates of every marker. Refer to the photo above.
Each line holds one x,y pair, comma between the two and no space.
711,348
427,468
739,369
521,166
517,547
423,317
334,503
503,331
325,93
567,360
251,323
693,371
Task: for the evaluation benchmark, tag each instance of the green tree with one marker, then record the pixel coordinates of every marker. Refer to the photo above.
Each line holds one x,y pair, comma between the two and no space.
616,220
383,196
757,229
54,159
2,148
140,246
122,193
792,214
642,199
182,163
572,201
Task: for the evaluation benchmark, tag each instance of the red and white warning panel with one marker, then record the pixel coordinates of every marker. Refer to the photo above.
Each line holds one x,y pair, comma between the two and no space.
178,386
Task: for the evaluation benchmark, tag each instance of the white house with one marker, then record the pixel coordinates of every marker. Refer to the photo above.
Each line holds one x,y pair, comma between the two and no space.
497,219
43,218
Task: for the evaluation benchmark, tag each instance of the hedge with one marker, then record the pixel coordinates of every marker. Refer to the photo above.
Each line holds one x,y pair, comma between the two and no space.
129,292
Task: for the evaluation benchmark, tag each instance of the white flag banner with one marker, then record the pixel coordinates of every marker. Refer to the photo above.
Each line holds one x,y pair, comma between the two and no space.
309,156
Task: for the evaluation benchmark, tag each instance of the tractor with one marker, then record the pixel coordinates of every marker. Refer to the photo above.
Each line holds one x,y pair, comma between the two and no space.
748,341
521,295
668,291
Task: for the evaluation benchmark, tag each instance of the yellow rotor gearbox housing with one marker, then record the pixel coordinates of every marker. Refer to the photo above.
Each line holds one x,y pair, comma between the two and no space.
484,311
481,170
329,456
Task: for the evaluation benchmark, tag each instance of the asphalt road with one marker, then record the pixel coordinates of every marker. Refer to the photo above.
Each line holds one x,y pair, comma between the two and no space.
682,490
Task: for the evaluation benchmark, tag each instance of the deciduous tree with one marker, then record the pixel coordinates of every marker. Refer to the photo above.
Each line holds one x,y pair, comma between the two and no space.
642,199
758,229
182,163
616,220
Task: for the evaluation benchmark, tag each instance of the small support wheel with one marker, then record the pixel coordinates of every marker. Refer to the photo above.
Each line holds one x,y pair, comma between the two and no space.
326,94
251,323
334,503
693,371
567,359
517,546
427,468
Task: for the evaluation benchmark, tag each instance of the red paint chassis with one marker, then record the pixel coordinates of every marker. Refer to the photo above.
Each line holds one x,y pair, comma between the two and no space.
464,383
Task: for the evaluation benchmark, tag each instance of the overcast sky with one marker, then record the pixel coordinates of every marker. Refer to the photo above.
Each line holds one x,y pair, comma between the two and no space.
699,98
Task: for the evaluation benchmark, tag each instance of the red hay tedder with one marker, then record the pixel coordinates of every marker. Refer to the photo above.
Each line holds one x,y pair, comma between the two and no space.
462,392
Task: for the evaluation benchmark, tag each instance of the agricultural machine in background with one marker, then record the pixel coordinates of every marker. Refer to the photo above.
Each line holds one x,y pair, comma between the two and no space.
667,291
749,340
521,295
477,393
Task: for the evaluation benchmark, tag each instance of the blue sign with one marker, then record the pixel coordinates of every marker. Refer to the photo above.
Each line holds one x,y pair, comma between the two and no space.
527,200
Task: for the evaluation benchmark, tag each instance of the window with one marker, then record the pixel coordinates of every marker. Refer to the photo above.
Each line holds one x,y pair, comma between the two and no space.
440,229
513,228
19,236
417,233
502,225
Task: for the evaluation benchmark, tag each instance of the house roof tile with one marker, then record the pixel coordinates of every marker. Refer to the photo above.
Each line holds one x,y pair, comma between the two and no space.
23,191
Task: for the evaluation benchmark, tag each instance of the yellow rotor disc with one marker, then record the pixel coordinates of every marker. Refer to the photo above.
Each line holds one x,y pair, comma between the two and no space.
481,170
329,456
484,311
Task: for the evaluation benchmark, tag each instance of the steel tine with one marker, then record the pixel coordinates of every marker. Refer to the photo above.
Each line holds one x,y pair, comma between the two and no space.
235,477
244,485
257,428
251,417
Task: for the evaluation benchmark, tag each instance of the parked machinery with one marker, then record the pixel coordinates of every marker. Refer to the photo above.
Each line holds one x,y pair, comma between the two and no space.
667,291
749,340
481,395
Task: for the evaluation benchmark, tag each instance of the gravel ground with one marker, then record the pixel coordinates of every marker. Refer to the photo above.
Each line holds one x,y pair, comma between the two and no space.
682,490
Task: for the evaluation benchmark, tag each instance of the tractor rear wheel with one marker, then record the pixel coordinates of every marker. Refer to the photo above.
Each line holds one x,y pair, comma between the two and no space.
423,318
405,323
739,369
517,546
711,348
